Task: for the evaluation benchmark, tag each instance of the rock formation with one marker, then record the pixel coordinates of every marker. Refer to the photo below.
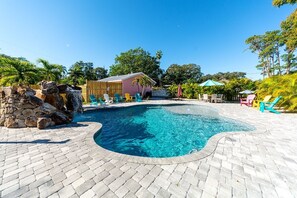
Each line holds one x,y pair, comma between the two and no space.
52,105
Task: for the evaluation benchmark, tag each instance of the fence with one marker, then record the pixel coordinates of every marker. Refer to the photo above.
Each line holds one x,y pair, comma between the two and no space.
99,88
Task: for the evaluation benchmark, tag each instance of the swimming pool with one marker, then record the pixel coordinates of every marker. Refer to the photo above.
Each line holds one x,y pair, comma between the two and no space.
159,130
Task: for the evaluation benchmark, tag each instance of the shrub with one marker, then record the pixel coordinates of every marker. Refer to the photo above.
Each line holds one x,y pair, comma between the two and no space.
285,86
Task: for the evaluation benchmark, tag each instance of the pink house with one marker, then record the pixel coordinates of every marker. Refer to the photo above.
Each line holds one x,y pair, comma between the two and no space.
127,83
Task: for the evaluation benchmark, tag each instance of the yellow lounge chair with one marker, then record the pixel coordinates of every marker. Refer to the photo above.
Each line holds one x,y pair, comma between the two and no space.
128,97
256,103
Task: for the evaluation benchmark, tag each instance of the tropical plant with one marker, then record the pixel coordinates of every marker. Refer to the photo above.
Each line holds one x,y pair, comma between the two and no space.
14,71
285,86
230,89
51,72
172,90
191,90
144,82
76,74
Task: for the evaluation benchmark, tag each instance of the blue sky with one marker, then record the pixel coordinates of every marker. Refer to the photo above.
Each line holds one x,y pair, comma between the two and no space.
209,33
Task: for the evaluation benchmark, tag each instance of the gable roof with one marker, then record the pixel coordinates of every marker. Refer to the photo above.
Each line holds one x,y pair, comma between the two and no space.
124,77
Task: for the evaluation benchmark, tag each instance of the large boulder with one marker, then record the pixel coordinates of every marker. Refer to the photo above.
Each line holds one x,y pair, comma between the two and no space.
47,108
60,118
49,87
62,88
31,121
10,122
34,100
40,95
74,101
44,122
56,100
25,107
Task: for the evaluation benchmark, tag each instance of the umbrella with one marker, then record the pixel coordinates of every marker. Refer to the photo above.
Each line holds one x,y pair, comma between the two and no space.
246,92
209,83
179,91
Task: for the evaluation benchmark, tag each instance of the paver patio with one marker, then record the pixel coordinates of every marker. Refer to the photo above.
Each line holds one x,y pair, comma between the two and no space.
63,162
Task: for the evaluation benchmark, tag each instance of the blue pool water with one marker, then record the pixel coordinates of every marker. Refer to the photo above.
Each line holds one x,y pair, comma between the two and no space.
159,131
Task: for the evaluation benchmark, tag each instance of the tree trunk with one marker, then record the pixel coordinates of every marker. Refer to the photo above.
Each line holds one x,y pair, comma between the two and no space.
288,69
278,60
268,62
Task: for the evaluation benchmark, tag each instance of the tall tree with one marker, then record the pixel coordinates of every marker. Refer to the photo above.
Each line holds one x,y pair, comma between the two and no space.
76,74
267,47
14,71
279,3
221,76
182,73
137,60
289,27
51,72
101,73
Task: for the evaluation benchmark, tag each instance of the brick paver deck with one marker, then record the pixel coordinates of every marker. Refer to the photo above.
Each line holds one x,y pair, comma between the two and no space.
65,162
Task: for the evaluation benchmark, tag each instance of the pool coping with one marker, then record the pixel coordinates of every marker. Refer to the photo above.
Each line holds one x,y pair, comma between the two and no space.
99,152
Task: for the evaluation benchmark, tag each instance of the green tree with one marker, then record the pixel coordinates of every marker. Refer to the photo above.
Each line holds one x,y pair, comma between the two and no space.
290,61
14,71
285,86
88,70
176,74
223,76
279,3
289,27
137,60
76,74
267,47
144,82
100,73
51,72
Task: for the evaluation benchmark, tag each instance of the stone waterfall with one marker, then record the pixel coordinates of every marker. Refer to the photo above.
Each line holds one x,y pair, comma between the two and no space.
51,105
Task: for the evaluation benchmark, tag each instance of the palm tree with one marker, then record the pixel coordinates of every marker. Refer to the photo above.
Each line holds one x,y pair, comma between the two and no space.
51,72
76,73
14,71
143,81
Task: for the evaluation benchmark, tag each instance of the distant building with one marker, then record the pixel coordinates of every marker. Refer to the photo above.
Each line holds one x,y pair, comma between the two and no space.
127,83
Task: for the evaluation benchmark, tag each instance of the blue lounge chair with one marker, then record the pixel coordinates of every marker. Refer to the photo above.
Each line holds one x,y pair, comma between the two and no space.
138,97
93,100
118,98
270,105
102,103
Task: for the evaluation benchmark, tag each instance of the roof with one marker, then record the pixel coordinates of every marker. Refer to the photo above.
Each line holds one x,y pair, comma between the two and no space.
120,78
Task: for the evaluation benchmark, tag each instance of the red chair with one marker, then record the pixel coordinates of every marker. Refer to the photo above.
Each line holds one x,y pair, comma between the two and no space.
248,101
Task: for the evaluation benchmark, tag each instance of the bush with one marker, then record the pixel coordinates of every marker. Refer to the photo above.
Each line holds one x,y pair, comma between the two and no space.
285,86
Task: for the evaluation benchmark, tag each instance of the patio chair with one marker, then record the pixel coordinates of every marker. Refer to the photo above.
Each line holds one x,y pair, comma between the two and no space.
205,98
248,101
256,103
93,100
213,98
138,97
128,97
217,98
102,103
107,99
199,97
118,98
270,105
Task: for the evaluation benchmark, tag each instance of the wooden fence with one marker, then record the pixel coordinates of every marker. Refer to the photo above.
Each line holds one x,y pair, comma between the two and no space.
99,88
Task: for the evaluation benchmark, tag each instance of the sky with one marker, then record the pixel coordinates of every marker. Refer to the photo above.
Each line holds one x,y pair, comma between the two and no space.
209,33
